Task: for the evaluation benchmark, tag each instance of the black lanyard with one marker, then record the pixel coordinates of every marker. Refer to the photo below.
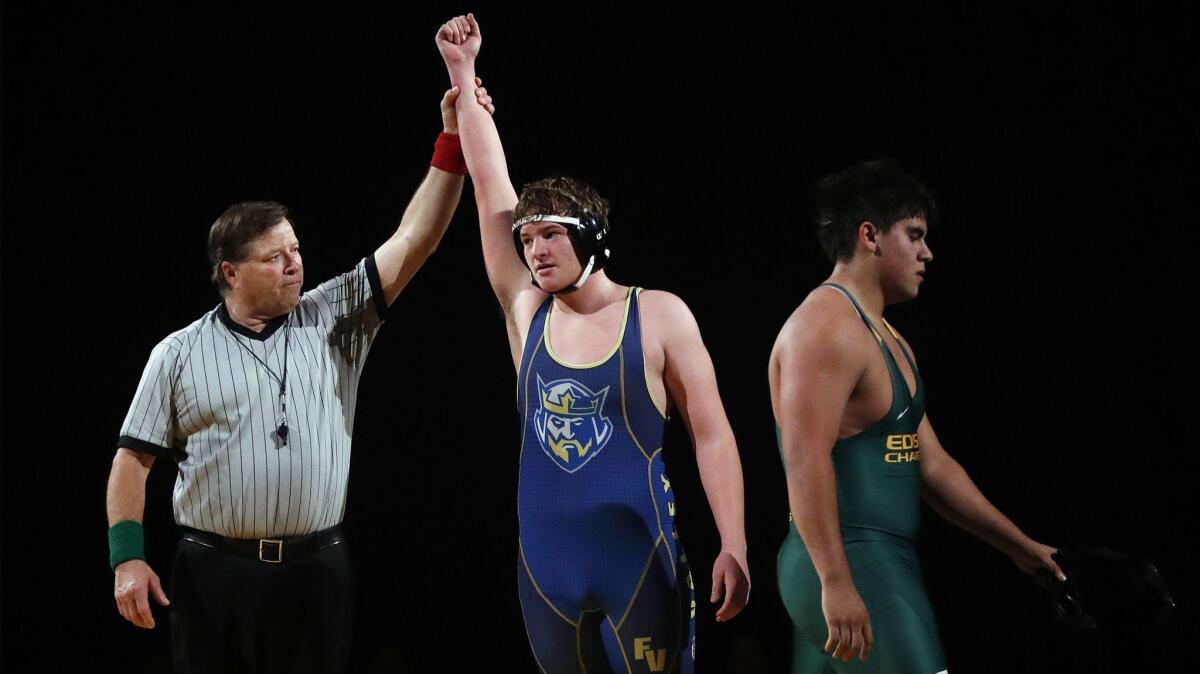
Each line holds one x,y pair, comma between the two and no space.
282,427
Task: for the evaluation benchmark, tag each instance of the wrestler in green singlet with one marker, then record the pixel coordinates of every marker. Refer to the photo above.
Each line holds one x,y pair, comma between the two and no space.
859,452
879,481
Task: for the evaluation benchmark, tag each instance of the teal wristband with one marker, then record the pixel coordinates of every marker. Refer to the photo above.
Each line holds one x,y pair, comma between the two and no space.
125,542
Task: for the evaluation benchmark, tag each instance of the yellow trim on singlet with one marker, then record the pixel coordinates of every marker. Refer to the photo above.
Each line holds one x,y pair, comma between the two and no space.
662,409
560,361
680,640
649,391
620,646
537,588
658,516
525,426
645,570
891,329
625,408
907,356
579,644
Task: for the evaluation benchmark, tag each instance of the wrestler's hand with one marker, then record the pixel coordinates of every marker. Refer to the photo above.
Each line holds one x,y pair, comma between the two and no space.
135,580
847,620
458,40
730,580
1034,557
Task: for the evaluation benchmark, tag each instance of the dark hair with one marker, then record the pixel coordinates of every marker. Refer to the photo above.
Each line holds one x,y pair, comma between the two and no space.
235,229
560,196
877,191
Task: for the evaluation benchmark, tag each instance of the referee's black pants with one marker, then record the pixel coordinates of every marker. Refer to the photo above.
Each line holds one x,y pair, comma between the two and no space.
237,614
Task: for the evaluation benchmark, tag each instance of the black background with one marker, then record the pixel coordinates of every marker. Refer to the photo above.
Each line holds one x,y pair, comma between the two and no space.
1055,330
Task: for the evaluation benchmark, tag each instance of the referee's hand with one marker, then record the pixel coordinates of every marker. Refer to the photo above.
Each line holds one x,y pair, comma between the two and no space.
135,580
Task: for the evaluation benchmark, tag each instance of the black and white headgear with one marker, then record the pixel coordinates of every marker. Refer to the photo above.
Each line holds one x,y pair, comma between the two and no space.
588,233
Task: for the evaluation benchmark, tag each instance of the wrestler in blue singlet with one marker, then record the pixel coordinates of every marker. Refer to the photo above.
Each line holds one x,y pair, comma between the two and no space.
604,584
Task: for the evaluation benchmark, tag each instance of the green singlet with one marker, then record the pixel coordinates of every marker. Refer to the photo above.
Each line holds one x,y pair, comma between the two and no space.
878,491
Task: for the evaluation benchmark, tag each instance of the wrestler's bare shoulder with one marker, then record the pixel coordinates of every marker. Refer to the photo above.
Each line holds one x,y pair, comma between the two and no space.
660,305
824,315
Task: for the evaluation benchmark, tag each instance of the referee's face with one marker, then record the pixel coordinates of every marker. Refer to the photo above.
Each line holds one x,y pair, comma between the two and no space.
270,276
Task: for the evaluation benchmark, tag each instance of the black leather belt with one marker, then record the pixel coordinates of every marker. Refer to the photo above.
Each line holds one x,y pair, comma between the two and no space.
270,550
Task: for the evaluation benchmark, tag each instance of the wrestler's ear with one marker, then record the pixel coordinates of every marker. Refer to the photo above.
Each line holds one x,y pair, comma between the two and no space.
868,235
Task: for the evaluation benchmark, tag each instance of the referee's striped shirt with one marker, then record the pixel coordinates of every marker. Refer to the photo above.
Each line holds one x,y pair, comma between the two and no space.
207,400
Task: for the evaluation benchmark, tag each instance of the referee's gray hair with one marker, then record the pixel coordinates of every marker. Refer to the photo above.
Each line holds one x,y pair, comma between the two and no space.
239,225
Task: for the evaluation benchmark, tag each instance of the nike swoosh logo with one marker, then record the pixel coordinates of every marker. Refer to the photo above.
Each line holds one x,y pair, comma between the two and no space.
901,415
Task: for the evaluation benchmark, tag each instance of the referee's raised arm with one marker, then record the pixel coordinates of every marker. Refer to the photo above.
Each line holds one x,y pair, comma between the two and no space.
427,215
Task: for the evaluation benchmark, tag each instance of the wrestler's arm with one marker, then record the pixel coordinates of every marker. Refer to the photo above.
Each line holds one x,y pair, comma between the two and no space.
814,371
426,217
692,384
947,488
134,581
459,41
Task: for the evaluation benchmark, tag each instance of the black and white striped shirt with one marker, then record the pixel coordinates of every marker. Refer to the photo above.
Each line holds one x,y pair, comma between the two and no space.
209,403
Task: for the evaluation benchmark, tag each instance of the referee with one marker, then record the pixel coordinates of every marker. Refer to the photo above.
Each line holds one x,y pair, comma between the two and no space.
255,403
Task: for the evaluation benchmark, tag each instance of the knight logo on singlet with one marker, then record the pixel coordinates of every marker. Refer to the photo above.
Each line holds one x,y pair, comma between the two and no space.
569,424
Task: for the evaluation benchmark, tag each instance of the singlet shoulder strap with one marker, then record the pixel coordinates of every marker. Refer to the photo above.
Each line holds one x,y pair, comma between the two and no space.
633,316
861,314
903,349
536,327
889,360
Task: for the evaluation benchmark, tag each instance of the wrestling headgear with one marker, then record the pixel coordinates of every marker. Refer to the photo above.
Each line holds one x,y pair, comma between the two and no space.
588,233
1121,590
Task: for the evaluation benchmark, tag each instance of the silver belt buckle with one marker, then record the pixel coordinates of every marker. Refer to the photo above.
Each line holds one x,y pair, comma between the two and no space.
266,546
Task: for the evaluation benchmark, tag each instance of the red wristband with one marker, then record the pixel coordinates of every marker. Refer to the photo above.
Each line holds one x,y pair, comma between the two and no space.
448,156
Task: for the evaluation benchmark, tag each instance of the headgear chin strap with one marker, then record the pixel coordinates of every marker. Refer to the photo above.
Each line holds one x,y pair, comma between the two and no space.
588,238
